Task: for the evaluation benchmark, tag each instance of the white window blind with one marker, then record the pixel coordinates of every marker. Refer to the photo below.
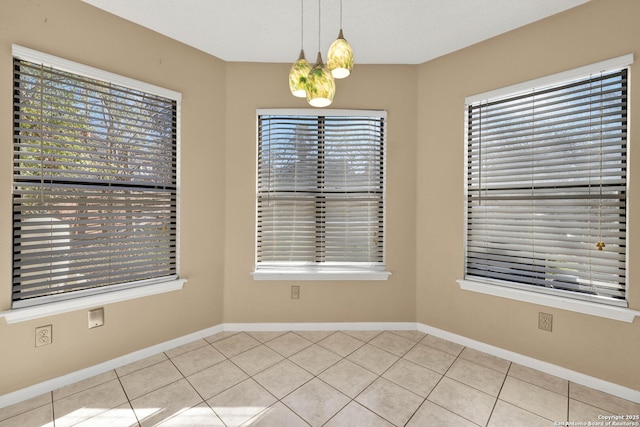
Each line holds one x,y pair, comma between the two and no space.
546,189
320,190
94,185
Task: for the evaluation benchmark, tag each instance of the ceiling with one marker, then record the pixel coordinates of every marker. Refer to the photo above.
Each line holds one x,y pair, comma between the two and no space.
379,31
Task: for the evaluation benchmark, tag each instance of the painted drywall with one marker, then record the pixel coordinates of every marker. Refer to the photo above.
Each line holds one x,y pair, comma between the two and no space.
424,185
590,33
253,86
76,31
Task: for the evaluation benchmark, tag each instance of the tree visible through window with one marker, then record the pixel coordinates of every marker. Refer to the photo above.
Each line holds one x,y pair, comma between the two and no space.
95,182
320,190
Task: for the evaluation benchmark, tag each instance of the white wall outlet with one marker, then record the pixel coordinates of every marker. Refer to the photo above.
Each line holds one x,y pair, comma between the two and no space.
545,321
295,292
44,335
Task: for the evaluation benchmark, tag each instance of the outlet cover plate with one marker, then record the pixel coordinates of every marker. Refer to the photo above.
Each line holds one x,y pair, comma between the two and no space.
96,317
44,335
545,321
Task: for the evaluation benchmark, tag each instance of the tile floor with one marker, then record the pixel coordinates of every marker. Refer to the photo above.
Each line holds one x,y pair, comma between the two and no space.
345,378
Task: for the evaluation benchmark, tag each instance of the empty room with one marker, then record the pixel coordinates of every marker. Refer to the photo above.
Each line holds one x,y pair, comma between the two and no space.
319,213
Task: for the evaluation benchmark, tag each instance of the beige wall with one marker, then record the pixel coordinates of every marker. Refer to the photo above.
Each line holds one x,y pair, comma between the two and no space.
252,86
424,185
76,31
593,32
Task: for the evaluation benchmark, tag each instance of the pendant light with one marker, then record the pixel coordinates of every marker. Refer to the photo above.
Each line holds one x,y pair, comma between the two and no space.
321,87
340,56
300,69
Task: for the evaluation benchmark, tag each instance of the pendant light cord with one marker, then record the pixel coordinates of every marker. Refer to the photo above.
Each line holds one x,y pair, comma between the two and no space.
301,24
319,25
341,14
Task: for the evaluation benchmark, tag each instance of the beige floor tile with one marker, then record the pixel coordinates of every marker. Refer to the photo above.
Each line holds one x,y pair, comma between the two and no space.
430,358
485,359
196,360
25,406
220,336
289,344
430,414
185,348
532,398
141,364
264,336
541,379
149,379
89,403
315,359
236,344
276,415
506,415
164,403
257,359
602,400
41,416
415,336
354,415
413,377
241,402
83,385
282,378
373,358
579,411
217,378
316,402
442,345
467,402
121,416
460,386
390,401
341,343
364,336
393,343
348,378
476,376
199,416
314,336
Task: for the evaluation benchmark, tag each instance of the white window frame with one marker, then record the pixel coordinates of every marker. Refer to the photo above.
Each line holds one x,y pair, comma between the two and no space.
114,293
532,294
306,272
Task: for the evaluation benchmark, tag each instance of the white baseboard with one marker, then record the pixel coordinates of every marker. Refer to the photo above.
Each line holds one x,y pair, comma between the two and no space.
320,326
73,377
539,365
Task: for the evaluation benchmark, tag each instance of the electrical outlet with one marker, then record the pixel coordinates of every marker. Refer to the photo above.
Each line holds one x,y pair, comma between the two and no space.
44,335
545,321
295,292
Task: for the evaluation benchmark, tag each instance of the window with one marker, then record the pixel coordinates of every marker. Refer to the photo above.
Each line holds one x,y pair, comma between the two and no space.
546,186
320,194
94,181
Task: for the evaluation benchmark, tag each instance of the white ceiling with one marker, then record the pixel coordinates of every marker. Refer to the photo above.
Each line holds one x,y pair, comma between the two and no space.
379,31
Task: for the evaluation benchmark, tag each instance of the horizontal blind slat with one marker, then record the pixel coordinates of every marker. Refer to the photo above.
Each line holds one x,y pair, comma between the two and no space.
546,181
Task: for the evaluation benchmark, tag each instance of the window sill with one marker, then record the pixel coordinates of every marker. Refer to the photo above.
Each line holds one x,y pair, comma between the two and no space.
584,307
320,275
51,309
